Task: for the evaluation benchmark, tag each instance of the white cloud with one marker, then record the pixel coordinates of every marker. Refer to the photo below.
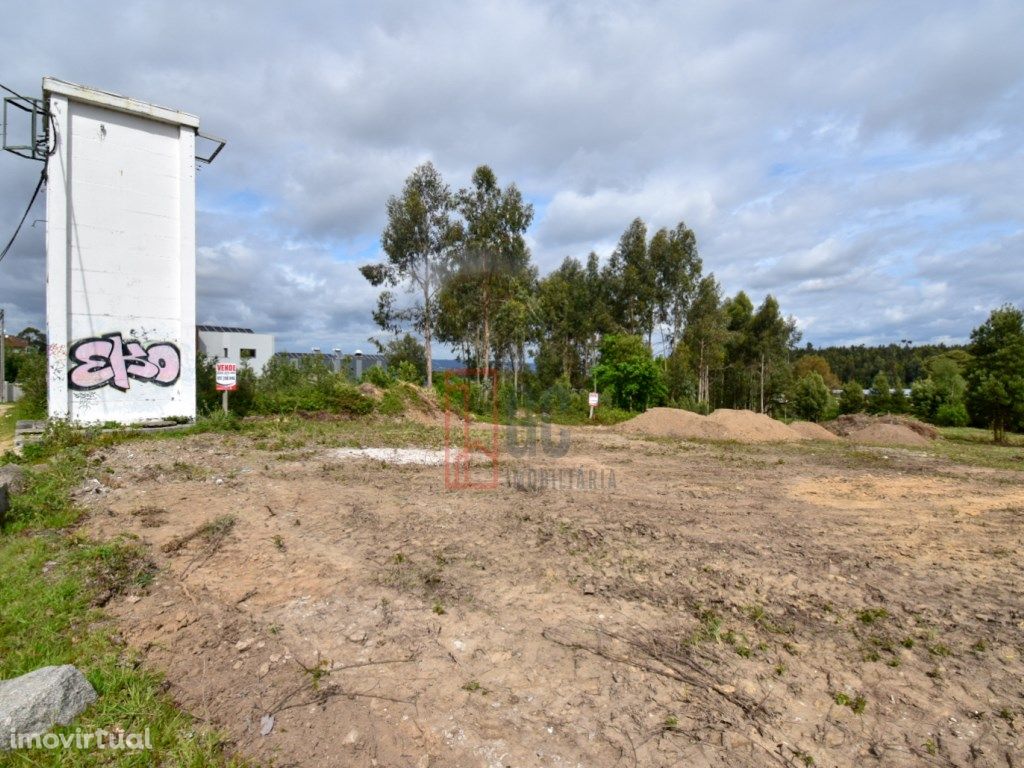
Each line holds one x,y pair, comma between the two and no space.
843,157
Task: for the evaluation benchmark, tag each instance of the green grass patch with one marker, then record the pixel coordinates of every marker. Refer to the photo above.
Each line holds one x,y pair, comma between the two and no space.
51,582
966,445
872,615
857,703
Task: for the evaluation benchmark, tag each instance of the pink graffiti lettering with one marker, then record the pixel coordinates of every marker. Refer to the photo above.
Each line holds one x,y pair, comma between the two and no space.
111,361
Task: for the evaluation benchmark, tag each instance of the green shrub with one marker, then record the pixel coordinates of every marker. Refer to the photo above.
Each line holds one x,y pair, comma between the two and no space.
344,398
811,397
628,375
880,399
378,376
460,394
558,399
32,379
952,415
406,349
851,400
308,386
408,372
392,404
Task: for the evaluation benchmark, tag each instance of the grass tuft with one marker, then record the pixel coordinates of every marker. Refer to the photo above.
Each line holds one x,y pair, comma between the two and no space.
51,582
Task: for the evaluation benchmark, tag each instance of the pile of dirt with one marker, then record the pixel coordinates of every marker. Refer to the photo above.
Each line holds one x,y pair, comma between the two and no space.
889,429
723,424
673,422
420,403
811,431
750,427
884,433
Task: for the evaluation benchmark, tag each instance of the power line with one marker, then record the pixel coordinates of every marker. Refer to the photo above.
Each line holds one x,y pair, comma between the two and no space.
39,185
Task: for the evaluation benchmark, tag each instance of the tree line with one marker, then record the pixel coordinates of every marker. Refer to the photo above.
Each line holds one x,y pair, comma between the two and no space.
902,363
462,258
647,326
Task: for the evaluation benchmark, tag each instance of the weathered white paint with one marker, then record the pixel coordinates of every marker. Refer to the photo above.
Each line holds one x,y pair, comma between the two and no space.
227,346
120,248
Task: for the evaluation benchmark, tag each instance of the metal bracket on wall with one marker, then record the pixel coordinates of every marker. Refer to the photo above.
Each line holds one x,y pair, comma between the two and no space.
38,139
213,155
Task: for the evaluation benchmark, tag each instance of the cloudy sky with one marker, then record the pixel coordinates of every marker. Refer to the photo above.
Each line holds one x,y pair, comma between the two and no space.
863,161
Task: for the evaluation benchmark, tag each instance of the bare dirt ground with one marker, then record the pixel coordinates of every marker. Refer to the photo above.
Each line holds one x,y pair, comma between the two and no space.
716,604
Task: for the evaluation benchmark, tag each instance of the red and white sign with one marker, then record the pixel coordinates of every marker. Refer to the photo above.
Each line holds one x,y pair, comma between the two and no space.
227,377
592,399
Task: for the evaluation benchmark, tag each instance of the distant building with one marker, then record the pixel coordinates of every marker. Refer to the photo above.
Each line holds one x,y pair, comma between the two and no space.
236,345
15,342
354,364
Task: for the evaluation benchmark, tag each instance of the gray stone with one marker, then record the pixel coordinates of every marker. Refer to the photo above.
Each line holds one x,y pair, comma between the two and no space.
34,703
12,480
13,476
266,725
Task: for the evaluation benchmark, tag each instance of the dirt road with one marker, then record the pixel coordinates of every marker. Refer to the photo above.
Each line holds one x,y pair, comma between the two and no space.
691,604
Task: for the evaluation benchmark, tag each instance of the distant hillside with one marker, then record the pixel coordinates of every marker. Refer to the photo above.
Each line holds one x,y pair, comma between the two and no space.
860,363
447,365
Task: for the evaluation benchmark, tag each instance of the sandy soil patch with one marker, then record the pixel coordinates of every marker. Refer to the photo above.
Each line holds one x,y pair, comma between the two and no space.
717,605
887,434
418,456
723,424
812,431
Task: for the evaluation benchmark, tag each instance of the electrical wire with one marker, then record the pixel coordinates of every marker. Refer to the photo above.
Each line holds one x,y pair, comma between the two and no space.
39,184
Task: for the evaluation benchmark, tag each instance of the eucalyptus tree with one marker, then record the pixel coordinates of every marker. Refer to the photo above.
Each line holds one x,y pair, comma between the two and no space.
565,305
492,252
418,242
676,268
705,335
631,283
772,338
737,389
517,323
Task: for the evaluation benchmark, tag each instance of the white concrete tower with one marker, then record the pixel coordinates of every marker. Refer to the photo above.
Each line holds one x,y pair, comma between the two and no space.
120,258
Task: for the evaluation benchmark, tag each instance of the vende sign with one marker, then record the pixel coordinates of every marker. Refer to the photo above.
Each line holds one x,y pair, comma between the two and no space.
227,377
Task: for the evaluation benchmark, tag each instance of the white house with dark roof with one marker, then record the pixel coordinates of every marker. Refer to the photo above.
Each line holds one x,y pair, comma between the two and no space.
236,345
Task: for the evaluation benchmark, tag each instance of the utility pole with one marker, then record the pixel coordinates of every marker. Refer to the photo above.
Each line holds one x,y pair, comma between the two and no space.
3,357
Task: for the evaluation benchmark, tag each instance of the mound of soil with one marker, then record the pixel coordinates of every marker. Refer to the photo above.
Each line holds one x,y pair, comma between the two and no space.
811,431
723,424
673,422
750,427
889,429
885,433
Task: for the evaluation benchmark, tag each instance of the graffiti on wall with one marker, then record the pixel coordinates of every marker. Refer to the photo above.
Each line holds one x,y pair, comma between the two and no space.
110,361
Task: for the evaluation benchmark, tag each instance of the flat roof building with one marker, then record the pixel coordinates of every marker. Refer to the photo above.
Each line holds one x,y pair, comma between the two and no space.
236,345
